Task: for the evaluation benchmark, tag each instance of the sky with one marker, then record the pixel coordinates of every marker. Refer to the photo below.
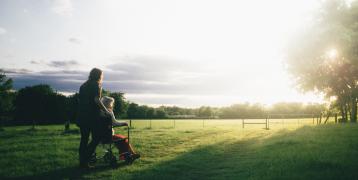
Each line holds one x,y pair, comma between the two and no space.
159,52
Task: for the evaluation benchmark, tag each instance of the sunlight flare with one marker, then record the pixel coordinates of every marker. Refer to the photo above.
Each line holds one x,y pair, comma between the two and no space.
332,54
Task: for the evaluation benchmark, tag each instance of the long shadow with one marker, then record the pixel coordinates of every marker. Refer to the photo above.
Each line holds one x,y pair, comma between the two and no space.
76,173
287,155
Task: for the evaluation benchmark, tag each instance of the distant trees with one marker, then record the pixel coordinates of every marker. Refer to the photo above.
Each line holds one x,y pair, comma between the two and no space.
136,111
132,111
6,97
205,112
39,104
325,58
243,111
297,108
151,113
161,114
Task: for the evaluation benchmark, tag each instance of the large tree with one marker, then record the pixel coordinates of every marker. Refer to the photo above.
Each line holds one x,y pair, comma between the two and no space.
324,57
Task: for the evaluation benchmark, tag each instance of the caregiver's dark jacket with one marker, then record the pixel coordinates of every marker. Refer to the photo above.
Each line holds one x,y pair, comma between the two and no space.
89,110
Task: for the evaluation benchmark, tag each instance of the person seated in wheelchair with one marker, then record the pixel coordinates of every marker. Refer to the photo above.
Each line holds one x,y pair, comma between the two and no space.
121,142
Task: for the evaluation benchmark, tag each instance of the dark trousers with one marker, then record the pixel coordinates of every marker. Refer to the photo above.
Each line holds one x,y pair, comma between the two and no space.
86,150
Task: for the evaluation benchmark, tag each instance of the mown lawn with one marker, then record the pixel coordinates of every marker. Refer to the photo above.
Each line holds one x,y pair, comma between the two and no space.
190,151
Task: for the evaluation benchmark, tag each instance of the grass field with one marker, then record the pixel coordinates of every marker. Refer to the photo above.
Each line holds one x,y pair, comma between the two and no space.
291,149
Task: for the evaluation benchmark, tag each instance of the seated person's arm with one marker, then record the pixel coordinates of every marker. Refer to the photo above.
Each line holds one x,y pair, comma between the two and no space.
100,104
97,99
116,122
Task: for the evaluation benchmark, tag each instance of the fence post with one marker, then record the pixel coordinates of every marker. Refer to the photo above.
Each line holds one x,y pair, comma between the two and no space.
243,123
203,122
150,123
130,123
128,129
174,123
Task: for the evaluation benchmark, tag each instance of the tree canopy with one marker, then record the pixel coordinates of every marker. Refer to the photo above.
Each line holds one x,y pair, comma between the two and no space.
40,104
324,57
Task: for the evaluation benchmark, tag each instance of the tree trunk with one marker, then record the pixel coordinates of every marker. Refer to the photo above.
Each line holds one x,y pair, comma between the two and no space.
345,113
335,118
348,111
354,110
342,113
328,114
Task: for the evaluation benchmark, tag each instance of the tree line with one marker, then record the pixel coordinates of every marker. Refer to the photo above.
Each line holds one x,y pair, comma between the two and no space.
41,104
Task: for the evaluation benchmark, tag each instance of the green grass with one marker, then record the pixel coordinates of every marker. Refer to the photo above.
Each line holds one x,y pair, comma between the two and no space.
219,150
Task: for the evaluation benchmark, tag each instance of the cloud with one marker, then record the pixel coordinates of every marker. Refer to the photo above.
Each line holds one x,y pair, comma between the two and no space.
63,64
154,69
63,8
16,71
74,40
166,75
2,31
138,76
35,62
8,56
61,80
166,79
139,91
70,81
58,83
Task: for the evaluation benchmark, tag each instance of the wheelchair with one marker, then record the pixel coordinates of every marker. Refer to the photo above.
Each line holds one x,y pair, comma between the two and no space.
109,156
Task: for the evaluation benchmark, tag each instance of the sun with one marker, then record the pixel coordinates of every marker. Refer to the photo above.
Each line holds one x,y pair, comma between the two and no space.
332,54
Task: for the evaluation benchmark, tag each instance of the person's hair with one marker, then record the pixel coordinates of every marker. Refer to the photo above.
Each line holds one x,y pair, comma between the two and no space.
107,101
95,75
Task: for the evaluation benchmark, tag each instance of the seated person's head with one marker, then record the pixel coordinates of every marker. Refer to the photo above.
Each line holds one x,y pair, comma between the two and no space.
108,102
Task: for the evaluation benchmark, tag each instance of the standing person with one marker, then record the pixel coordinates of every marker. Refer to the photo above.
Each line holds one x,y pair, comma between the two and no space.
90,107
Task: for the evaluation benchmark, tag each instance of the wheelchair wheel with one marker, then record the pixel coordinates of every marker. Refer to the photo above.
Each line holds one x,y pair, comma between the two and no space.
107,157
110,159
113,161
93,158
129,160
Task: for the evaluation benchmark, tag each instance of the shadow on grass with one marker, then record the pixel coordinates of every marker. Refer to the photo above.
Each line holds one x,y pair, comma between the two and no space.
77,173
71,131
301,154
